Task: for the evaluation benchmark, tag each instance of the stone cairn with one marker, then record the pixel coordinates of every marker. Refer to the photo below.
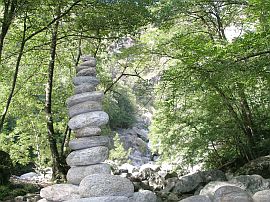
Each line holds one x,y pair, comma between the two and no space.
89,179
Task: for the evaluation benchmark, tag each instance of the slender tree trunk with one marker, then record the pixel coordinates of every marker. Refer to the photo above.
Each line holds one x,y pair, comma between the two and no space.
15,76
9,13
58,171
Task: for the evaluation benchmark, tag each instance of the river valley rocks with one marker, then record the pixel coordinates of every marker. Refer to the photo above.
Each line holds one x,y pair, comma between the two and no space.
89,176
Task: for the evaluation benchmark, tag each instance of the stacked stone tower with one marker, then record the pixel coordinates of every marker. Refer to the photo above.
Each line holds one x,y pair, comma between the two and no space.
89,178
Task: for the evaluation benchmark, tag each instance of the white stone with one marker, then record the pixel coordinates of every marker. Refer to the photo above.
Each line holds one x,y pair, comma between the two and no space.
262,196
89,96
60,192
76,174
84,107
88,156
96,118
105,185
88,142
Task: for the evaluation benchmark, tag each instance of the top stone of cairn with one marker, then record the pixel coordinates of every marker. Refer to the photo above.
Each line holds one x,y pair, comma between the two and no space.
88,61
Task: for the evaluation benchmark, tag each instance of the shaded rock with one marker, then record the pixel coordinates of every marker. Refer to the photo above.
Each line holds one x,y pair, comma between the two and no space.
87,131
259,166
262,196
79,80
60,192
251,183
96,118
76,174
84,88
102,199
88,156
143,196
105,185
87,72
89,96
231,193
198,198
84,107
187,183
88,142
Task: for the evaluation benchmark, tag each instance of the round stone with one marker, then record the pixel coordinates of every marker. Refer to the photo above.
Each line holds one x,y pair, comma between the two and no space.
96,118
262,196
84,88
87,72
78,80
60,192
84,107
105,185
76,174
88,142
144,196
87,132
231,194
89,96
88,156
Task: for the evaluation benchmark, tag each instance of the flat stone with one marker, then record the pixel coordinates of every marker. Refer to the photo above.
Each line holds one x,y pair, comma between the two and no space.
231,193
105,185
87,132
262,196
197,198
88,142
78,80
102,199
143,196
84,107
96,118
89,96
84,88
88,156
60,192
76,174
87,72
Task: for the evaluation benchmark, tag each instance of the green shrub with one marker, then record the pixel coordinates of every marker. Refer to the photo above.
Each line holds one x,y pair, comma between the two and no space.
5,167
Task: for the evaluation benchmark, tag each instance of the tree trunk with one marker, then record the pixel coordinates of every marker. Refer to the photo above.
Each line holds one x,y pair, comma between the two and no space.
58,170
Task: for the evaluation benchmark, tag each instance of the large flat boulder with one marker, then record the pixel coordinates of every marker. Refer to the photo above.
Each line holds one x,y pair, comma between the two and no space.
60,192
96,118
105,185
76,174
88,156
89,96
88,142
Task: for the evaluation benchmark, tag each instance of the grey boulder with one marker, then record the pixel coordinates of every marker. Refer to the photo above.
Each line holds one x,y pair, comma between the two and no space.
143,196
88,142
87,132
60,192
88,156
96,118
84,107
102,199
105,185
198,198
89,96
76,174
78,80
